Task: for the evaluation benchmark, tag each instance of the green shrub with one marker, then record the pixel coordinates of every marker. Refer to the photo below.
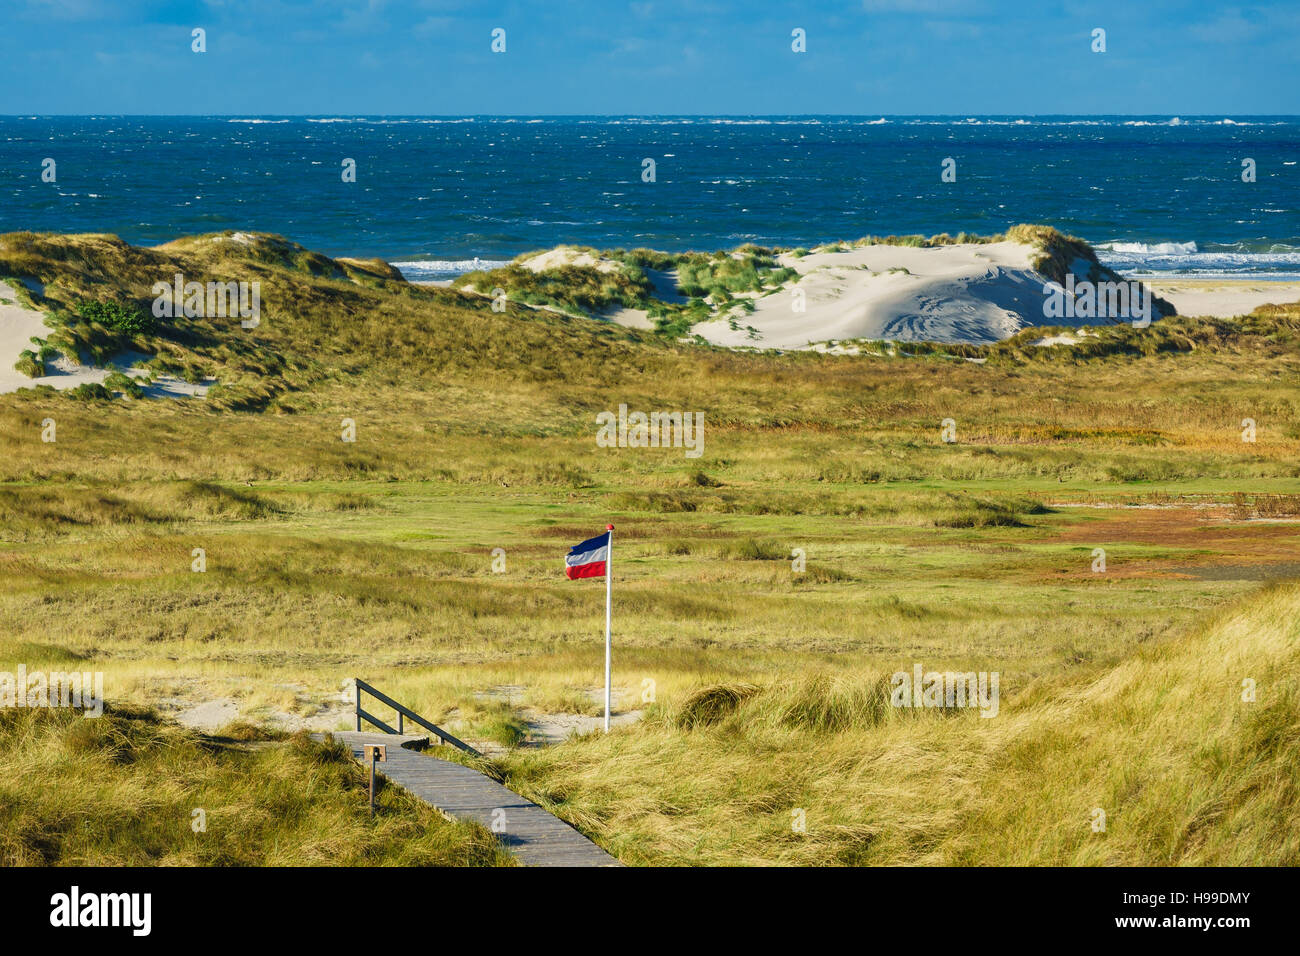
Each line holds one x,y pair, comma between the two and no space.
123,319
89,392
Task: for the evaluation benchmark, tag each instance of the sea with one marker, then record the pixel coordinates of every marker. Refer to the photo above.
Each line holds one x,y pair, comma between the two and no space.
1193,196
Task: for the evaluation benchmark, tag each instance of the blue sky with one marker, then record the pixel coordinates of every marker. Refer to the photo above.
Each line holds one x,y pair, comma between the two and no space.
369,57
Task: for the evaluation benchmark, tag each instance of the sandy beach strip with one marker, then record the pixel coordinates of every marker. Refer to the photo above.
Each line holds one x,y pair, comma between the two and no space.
1224,298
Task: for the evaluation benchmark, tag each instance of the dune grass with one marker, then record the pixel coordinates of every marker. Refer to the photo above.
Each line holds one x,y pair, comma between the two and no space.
1185,771
757,683
126,789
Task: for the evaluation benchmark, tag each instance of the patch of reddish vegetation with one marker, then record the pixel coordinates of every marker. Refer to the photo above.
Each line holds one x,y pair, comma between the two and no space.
1236,545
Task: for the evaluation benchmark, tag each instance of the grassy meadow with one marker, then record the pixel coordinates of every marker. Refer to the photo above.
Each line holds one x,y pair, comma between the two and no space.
756,684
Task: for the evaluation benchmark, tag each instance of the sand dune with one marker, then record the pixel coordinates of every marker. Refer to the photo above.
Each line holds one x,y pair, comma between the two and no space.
956,293
17,327
974,292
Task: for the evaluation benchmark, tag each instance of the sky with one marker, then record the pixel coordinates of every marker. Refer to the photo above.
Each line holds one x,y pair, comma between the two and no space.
701,57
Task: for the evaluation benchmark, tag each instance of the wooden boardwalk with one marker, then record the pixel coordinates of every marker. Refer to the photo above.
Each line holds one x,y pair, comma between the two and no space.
534,836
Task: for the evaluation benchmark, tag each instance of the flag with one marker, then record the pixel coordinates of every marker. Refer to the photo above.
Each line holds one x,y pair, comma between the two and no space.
587,560
592,559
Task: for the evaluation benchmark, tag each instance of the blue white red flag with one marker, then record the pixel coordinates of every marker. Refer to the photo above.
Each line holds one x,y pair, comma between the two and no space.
587,560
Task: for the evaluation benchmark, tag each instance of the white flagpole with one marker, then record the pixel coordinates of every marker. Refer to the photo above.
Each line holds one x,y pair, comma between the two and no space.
609,571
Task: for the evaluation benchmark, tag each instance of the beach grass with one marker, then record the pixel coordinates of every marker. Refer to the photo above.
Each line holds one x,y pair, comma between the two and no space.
755,681
1156,760
127,789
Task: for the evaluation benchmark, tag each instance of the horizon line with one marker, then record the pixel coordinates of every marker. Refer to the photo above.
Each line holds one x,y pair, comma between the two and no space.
92,115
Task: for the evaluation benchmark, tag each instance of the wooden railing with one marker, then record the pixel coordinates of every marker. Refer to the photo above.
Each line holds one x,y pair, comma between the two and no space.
403,713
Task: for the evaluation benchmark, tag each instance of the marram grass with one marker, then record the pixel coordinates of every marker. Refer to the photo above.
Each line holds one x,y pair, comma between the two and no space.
759,687
1185,771
126,789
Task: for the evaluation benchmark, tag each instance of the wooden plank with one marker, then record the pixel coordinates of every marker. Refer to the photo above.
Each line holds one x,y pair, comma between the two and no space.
533,835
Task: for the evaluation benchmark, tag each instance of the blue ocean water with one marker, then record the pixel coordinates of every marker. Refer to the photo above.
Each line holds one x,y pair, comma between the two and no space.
432,194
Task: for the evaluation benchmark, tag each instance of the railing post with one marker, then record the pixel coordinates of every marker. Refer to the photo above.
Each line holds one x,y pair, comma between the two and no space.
358,689
374,753
400,718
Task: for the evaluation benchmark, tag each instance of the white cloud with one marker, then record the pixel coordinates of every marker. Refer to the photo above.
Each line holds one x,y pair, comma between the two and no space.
1231,26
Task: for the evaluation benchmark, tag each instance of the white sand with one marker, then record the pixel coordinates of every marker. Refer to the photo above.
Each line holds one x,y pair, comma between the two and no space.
957,293
629,318
1224,298
976,293
201,706
17,327
568,256
1064,338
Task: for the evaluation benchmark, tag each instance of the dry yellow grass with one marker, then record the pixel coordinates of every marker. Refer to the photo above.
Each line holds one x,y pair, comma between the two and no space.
1185,770
475,430
127,789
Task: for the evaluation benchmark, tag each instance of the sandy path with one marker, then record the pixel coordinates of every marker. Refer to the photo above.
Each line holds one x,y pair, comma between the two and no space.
196,705
206,706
